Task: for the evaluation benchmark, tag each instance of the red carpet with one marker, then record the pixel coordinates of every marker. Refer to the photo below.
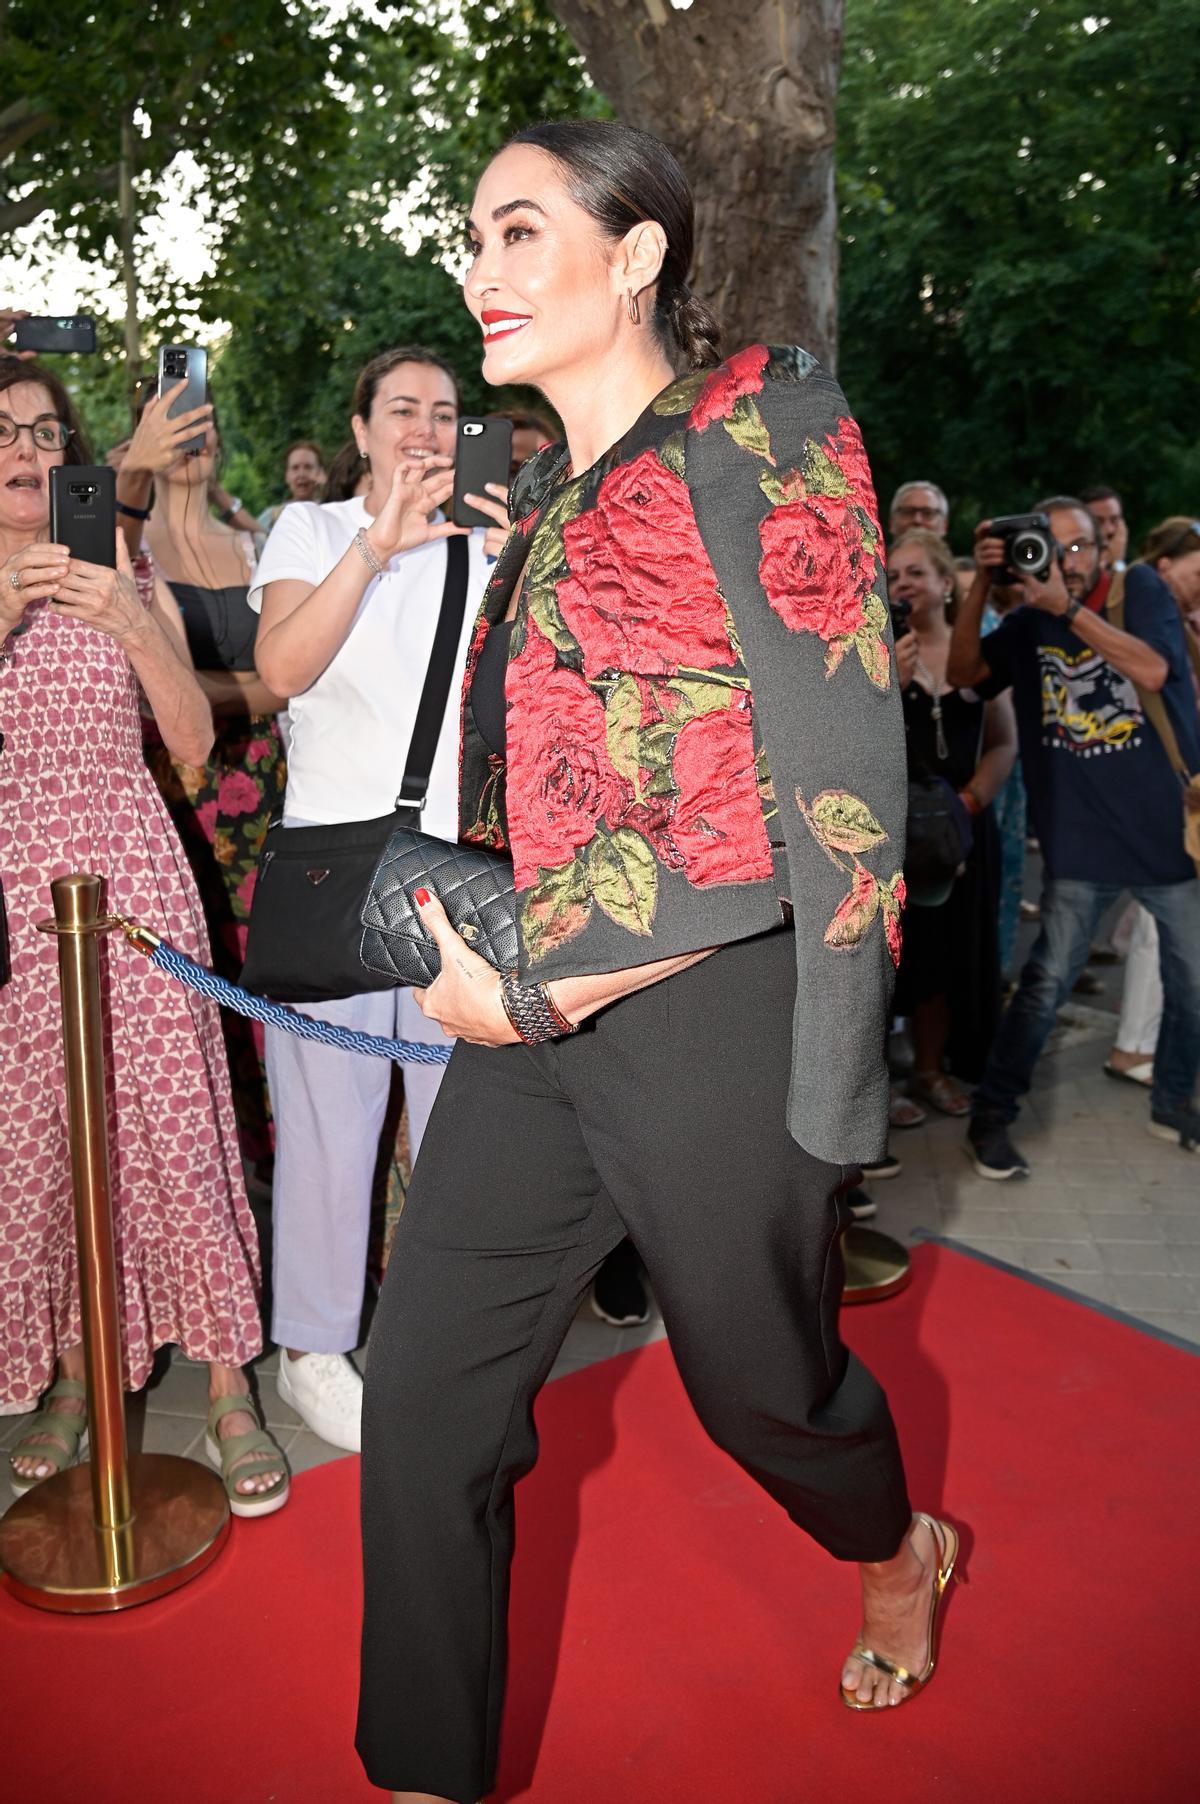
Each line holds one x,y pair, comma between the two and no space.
674,1639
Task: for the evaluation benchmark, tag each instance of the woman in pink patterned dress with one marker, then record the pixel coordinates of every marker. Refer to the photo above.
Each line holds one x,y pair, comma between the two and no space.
76,643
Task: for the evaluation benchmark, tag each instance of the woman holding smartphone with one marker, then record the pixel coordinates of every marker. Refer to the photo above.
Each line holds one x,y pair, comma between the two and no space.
78,648
350,593
682,718
220,806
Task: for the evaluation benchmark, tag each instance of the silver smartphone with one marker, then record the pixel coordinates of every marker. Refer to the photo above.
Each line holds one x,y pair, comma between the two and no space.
187,364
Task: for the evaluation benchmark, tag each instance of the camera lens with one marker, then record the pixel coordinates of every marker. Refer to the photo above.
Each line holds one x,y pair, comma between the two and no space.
1030,553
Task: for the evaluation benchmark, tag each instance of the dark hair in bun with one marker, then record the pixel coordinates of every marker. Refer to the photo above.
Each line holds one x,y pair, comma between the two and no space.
621,177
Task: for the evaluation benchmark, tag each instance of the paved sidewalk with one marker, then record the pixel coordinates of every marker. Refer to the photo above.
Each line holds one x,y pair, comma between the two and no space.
1108,1211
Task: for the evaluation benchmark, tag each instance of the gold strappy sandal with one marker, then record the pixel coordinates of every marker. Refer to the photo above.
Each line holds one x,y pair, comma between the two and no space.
945,1540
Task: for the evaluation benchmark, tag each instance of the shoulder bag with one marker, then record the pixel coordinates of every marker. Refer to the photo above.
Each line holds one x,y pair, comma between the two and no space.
332,914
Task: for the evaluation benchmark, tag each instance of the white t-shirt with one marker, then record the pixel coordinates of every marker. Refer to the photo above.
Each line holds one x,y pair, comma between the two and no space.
350,730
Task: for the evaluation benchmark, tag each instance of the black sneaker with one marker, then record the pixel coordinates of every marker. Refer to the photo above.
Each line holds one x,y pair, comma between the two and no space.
991,1151
619,1290
887,1167
1180,1125
861,1206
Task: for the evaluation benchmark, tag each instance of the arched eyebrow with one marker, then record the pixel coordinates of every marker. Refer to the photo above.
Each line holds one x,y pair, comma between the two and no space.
510,206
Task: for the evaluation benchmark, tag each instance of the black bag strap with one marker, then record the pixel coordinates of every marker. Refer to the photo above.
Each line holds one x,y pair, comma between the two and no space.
431,709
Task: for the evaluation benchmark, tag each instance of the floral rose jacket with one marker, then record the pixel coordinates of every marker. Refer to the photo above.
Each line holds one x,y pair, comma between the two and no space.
703,719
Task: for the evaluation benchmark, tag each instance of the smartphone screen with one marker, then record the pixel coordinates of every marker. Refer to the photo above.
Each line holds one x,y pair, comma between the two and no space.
483,452
83,512
43,333
187,364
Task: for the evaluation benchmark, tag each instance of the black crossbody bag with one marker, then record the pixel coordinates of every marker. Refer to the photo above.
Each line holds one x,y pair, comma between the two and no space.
333,915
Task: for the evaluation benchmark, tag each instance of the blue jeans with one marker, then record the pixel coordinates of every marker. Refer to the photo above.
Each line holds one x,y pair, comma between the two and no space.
1070,913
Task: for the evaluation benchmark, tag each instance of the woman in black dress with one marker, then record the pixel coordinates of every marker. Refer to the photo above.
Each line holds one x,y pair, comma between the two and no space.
949,979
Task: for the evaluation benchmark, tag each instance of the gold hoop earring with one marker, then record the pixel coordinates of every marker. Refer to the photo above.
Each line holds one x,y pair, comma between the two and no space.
635,311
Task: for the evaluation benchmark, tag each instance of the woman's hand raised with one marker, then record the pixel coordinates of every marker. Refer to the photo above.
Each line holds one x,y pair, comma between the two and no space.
31,574
103,598
417,488
158,439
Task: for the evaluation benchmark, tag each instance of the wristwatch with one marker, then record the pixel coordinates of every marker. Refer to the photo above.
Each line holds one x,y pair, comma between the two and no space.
231,512
1072,608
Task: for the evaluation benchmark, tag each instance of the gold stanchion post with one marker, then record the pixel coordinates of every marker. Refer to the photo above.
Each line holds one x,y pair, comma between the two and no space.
122,1529
877,1267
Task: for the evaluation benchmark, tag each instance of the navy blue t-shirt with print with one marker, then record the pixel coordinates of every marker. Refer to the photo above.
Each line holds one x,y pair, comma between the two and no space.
1105,803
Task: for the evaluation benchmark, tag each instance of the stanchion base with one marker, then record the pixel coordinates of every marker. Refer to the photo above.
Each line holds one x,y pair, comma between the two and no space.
53,1555
877,1266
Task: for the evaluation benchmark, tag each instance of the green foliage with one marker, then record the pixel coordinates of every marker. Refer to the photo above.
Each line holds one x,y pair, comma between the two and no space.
1019,203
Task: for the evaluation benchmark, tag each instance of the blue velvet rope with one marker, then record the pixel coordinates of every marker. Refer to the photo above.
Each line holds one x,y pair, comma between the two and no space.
230,995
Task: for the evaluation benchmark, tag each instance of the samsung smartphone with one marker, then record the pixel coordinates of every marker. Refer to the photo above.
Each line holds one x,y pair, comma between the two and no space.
83,512
70,332
187,364
482,454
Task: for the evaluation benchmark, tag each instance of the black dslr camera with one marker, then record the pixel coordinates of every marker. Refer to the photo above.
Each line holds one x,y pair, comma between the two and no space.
1029,548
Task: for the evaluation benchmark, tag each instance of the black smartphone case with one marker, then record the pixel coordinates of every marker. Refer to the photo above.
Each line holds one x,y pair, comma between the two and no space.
76,332
480,457
187,364
83,512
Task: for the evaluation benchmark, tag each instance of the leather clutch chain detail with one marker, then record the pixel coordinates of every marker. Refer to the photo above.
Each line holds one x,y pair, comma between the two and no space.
474,887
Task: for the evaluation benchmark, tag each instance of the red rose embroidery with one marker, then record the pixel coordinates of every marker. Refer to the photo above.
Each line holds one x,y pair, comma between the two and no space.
560,779
814,568
741,374
848,452
717,827
646,598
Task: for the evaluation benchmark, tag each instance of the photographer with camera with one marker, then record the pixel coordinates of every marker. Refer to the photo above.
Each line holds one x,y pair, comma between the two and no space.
1105,799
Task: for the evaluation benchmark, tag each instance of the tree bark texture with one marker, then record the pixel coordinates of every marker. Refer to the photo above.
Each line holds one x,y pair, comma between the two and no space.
127,206
744,92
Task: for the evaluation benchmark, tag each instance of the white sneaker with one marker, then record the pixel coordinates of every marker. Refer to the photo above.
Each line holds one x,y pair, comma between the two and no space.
326,1392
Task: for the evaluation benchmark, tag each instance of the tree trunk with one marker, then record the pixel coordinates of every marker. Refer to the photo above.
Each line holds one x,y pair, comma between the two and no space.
745,96
126,207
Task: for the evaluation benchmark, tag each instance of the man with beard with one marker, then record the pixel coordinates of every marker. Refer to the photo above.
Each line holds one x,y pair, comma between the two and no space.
1104,800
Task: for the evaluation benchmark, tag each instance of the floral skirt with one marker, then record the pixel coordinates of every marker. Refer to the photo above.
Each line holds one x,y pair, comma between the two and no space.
221,811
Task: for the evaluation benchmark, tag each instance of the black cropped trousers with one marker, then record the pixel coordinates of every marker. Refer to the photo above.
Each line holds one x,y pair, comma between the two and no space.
663,1119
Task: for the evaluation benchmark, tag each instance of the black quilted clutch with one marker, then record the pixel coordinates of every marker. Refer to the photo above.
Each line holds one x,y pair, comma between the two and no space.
474,887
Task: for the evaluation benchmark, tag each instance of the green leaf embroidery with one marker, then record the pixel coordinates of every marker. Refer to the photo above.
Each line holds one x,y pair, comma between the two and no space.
683,698
835,651
781,489
841,821
855,912
747,428
556,910
672,453
681,396
873,655
623,873
821,474
541,602
622,719
875,611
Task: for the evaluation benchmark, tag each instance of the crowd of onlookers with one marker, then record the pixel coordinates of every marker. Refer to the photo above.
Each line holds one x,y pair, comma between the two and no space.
240,668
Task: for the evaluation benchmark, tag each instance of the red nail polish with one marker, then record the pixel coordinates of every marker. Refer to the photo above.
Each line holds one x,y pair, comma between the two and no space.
421,897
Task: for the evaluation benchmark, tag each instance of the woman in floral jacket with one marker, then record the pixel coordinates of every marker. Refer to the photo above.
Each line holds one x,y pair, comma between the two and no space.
681,717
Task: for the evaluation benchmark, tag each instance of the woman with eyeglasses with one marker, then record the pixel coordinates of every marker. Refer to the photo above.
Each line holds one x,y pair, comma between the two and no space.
78,646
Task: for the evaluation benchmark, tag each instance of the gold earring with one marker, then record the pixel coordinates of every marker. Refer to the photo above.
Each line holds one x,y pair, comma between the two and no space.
635,311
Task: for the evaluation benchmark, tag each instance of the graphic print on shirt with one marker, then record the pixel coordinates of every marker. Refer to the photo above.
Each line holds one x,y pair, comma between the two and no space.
1087,706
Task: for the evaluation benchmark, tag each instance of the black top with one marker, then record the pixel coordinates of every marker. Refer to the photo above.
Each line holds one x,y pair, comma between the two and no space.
220,625
488,704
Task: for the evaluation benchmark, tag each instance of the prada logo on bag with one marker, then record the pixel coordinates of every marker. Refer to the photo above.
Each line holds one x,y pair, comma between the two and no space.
316,877
469,931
